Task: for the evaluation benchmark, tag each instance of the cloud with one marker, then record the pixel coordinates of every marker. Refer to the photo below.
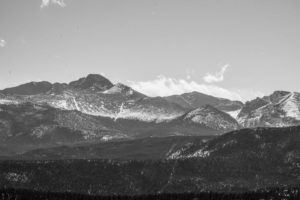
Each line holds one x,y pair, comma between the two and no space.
2,43
217,77
46,3
165,86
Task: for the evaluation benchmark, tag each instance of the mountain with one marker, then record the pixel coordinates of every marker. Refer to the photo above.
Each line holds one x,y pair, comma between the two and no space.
242,160
29,126
120,88
211,117
31,88
94,95
262,143
195,100
92,81
280,109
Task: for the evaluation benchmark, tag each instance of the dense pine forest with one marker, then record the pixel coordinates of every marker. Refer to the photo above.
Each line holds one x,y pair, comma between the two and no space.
104,177
268,194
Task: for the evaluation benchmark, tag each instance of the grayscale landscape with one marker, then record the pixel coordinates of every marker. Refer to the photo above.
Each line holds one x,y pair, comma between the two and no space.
149,99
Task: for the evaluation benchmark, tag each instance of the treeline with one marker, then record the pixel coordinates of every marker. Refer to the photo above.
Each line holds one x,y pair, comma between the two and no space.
269,194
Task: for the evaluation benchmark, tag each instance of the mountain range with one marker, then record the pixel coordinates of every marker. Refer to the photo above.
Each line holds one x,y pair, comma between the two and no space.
93,109
95,137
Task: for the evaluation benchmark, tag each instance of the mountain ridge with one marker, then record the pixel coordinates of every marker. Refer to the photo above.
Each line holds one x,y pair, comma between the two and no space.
281,108
96,95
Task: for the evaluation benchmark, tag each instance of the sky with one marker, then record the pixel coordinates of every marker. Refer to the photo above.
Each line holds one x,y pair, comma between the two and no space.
236,49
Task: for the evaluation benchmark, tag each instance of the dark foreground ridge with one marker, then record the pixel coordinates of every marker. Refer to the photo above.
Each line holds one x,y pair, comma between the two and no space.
268,194
240,161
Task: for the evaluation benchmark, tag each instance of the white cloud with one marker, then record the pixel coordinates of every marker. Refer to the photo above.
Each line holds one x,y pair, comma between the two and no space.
2,43
165,86
46,3
217,77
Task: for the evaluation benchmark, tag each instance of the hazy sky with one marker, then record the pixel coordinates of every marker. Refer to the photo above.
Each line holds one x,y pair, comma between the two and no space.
236,49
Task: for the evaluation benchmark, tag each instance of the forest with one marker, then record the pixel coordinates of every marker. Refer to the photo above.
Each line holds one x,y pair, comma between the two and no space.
267,194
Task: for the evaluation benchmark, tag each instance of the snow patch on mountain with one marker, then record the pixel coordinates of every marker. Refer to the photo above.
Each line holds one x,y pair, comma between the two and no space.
234,113
182,154
8,101
292,106
16,177
119,89
120,112
107,138
75,103
146,115
199,154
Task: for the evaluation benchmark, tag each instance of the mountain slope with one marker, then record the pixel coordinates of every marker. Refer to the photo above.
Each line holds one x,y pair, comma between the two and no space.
194,100
277,110
29,126
151,148
92,81
31,88
96,95
212,117
259,142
